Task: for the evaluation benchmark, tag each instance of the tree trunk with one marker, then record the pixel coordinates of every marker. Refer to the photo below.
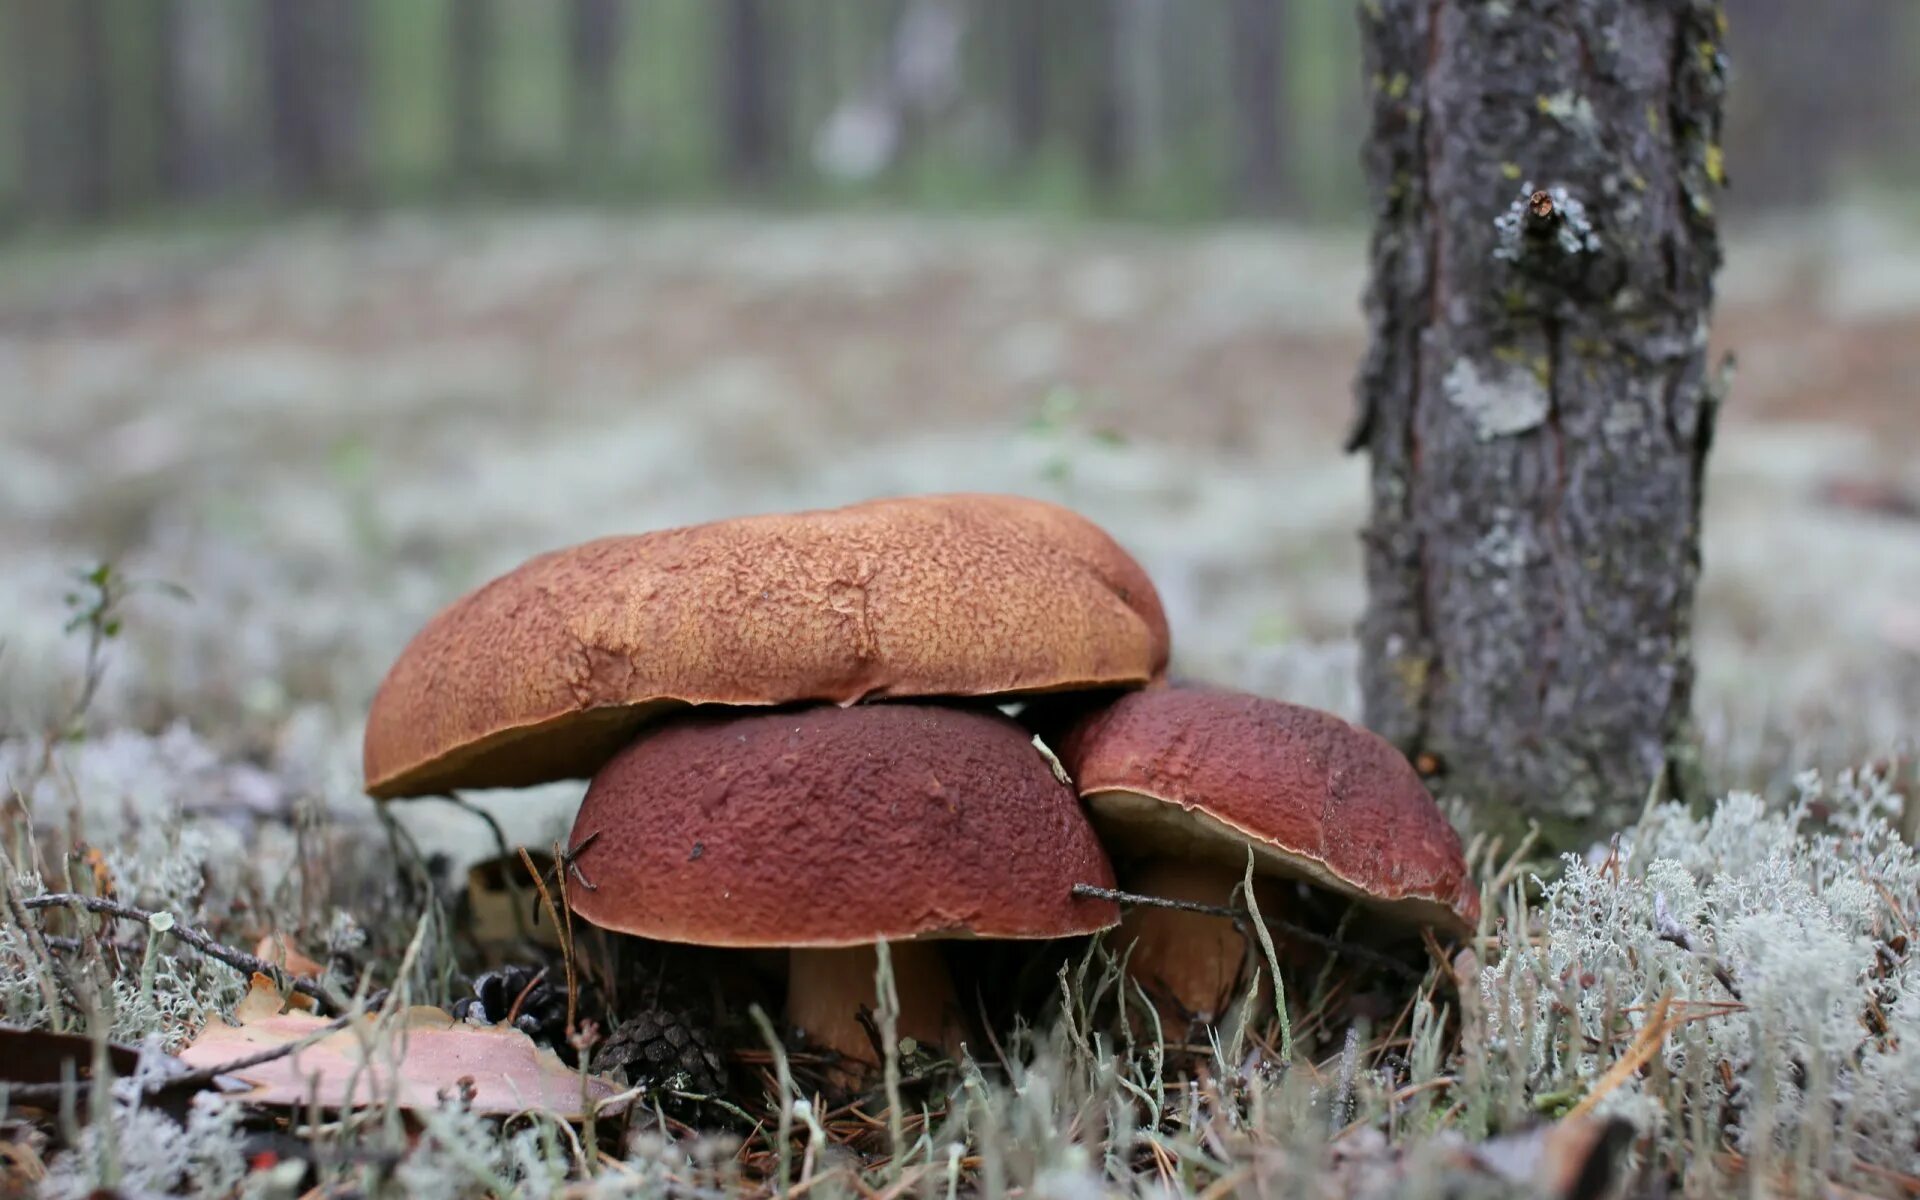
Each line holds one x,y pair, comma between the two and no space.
1256,32
1143,29
171,169
1027,77
1100,140
1535,400
594,48
749,75
195,90
1795,137
313,95
59,52
91,81
33,56
470,46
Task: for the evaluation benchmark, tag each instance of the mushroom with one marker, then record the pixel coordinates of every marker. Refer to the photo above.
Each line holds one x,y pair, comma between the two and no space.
1182,781
546,672
826,830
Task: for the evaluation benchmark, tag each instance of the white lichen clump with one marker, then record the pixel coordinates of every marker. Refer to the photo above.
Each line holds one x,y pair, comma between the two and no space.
1751,969
1775,943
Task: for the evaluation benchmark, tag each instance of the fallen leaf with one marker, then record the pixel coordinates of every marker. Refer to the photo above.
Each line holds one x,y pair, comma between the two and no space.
40,1058
35,1056
276,949
1878,497
21,1169
96,862
411,1059
503,911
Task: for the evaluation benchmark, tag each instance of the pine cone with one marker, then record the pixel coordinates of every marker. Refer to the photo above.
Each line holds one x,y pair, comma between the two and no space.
667,1048
542,1014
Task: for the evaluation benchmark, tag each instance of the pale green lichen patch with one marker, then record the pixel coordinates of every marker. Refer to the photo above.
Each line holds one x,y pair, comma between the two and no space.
1569,108
1624,418
1501,401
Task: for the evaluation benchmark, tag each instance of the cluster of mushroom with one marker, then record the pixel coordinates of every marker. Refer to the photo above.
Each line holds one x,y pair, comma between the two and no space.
722,684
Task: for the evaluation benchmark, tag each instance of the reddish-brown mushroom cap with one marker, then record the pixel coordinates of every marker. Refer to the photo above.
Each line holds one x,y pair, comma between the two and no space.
836,827
1205,772
547,671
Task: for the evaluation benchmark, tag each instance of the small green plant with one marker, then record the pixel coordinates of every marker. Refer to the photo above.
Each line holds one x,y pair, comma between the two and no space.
97,607
1060,421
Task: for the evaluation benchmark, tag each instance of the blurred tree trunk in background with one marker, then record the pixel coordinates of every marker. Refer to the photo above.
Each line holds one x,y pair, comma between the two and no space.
172,154
59,57
60,62
193,85
470,57
750,75
1829,96
91,83
1101,47
1536,401
314,52
1143,29
1026,27
593,42
1138,106
1256,56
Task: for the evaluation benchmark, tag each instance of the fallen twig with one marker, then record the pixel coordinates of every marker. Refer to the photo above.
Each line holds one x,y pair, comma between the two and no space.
1653,1035
17,908
1670,929
239,960
1384,962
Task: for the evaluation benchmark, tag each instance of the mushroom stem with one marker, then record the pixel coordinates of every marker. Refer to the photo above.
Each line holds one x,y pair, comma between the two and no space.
827,988
1189,963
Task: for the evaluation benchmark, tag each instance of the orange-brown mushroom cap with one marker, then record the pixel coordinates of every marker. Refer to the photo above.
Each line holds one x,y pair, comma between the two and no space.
1205,772
836,827
547,671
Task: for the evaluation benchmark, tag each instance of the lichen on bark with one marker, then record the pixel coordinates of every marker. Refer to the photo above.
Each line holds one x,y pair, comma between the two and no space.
1535,400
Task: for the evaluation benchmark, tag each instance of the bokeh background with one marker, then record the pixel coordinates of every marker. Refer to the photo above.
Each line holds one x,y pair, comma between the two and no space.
328,310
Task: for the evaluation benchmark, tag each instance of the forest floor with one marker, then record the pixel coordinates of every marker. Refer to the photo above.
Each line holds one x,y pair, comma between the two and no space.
325,430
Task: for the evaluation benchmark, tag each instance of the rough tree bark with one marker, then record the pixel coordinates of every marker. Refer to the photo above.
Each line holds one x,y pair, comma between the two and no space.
1536,401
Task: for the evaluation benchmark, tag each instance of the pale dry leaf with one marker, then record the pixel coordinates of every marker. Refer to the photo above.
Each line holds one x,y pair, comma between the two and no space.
278,950
501,907
413,1060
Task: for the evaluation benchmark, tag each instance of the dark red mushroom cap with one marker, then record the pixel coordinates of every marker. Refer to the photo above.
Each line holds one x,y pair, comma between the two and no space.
1205,772
836,827
547,671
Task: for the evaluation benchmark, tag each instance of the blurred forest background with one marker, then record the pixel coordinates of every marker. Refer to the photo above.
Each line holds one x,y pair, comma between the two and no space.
327,310
1140,108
